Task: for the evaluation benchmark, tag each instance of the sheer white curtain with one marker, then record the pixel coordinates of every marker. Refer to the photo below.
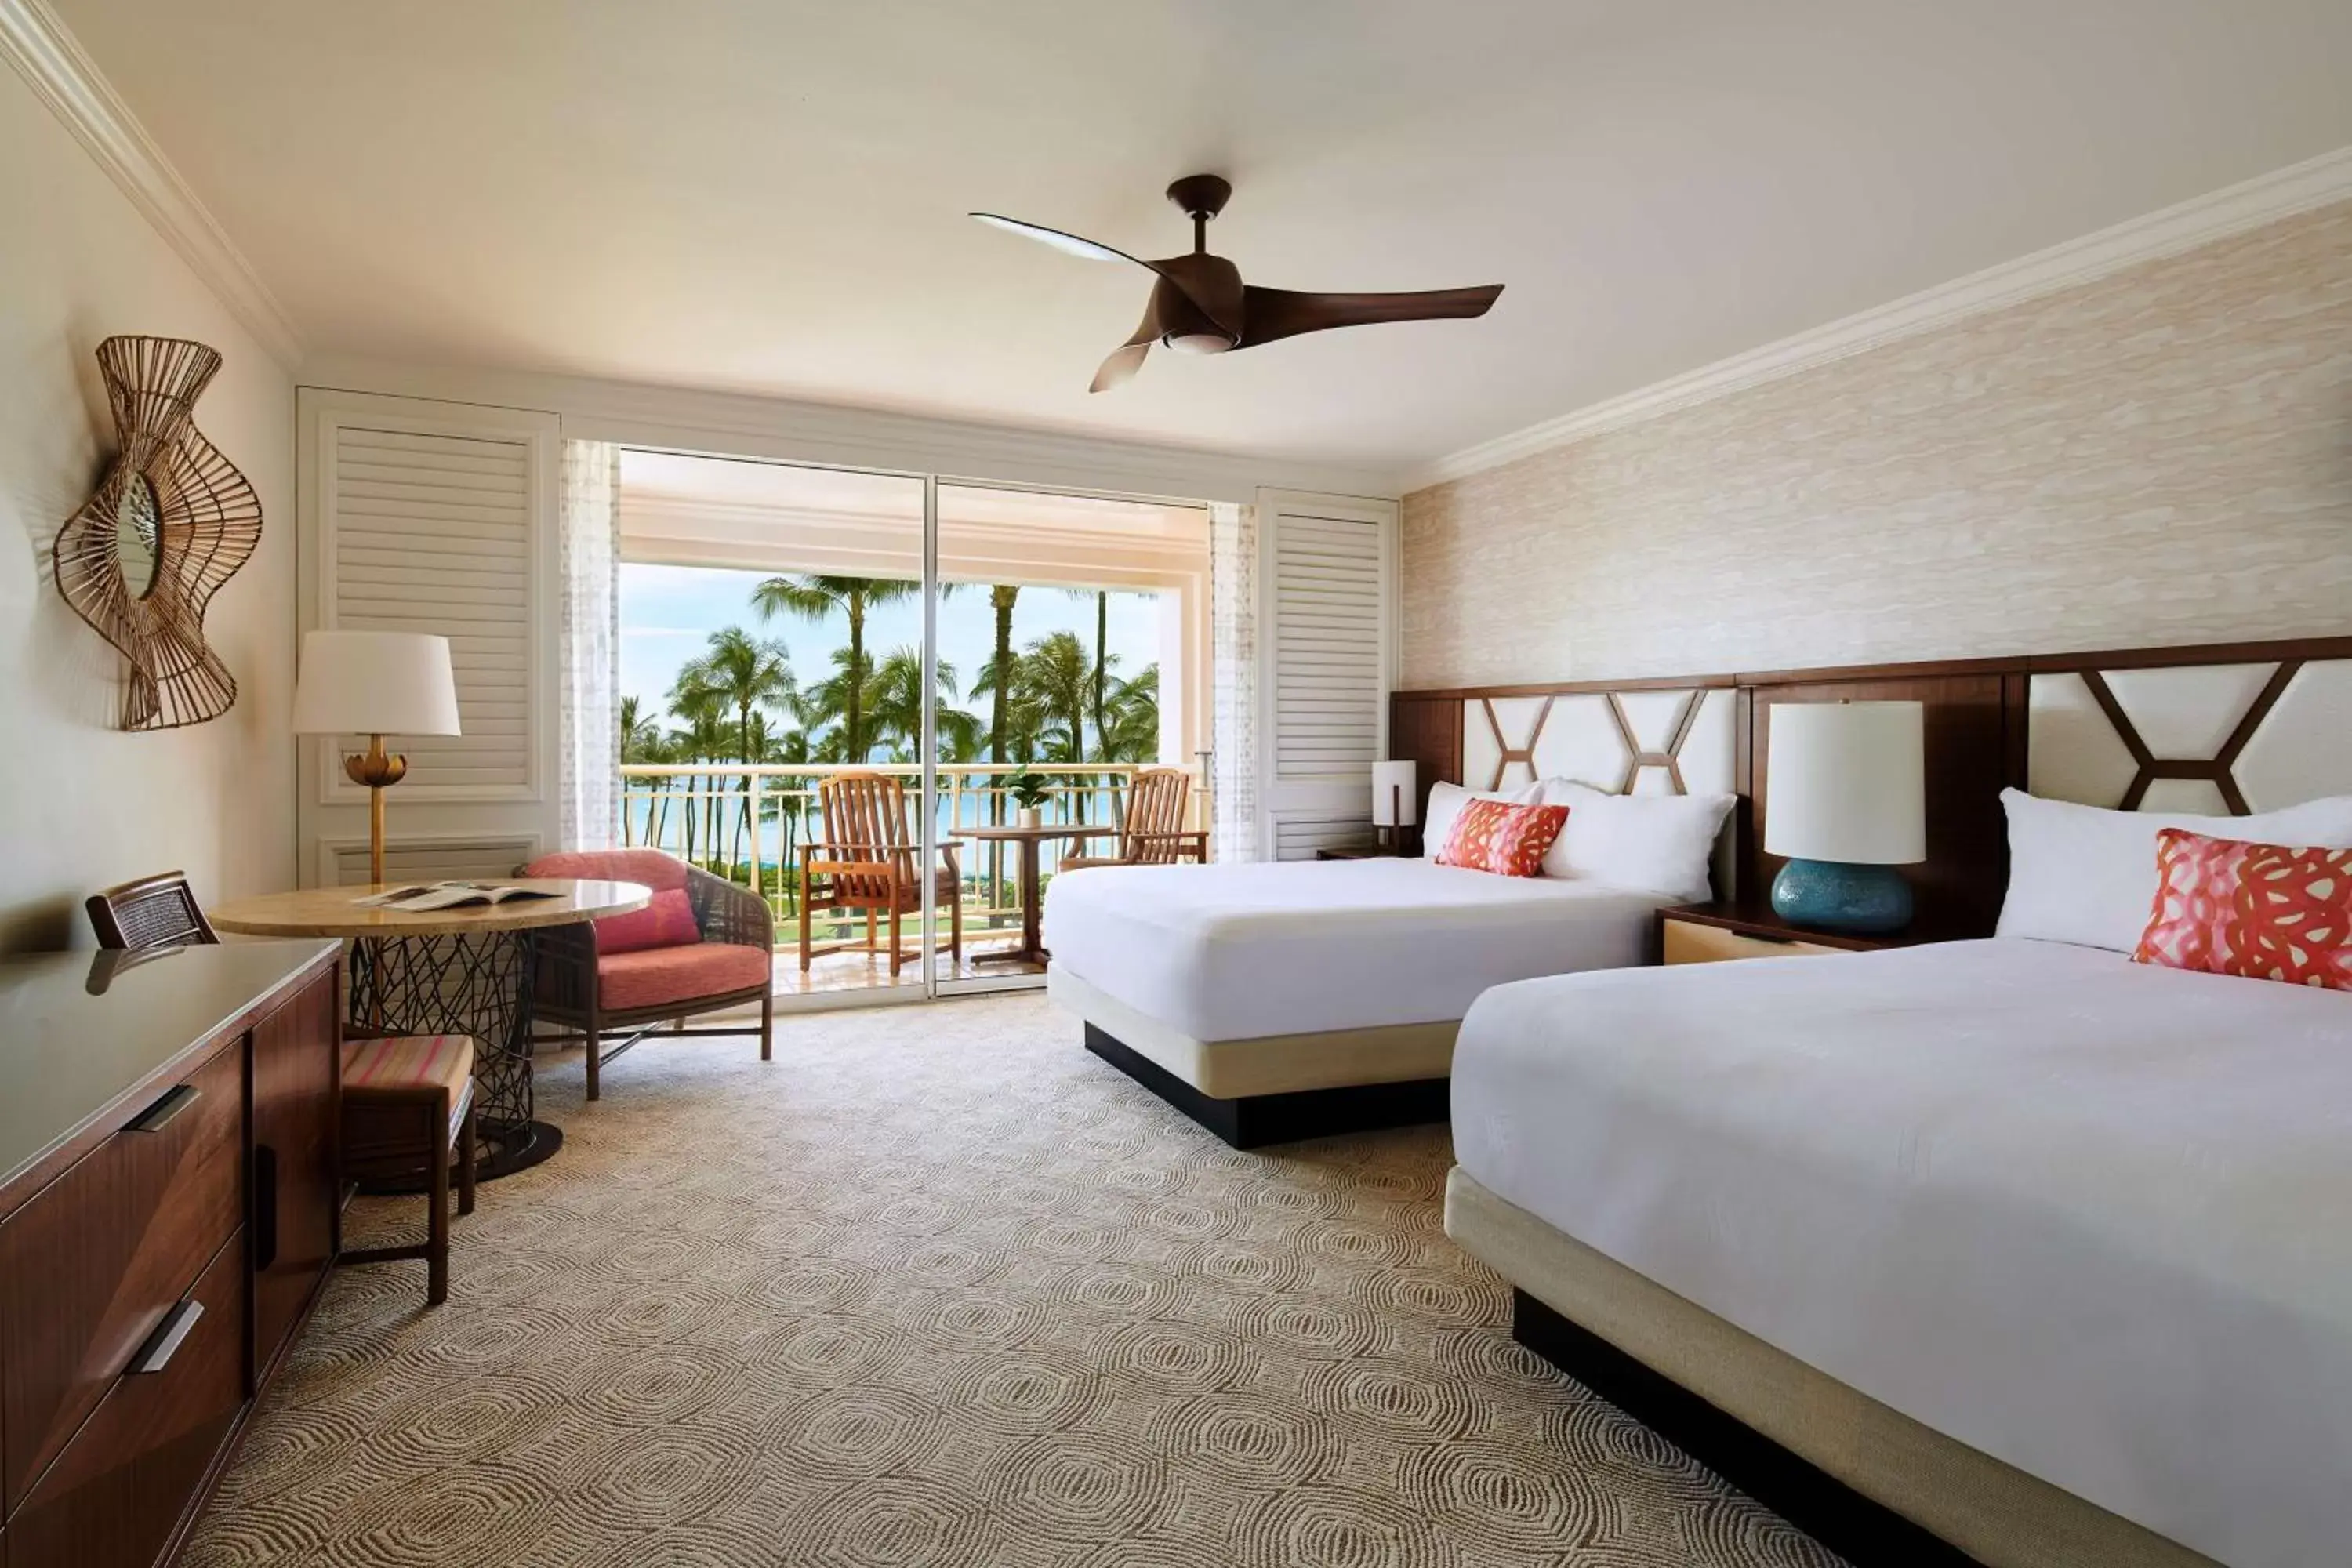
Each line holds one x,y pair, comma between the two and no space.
1233,616
588,558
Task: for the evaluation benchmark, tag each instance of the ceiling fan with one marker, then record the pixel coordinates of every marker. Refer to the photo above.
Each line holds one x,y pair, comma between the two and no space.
1201,305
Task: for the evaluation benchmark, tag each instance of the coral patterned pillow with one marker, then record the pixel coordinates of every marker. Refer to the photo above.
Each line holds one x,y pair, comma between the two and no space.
1509,840
2262,910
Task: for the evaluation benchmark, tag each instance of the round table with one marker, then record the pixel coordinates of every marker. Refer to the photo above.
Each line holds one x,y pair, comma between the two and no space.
1030,951
448,971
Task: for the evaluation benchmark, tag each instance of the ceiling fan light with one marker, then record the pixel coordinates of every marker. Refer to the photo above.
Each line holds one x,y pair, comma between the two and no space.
1198,342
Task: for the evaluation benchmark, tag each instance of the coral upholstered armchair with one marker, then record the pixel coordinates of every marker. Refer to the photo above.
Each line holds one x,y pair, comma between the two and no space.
702,945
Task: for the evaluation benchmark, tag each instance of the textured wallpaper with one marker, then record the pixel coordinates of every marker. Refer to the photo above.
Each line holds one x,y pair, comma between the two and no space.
2163,456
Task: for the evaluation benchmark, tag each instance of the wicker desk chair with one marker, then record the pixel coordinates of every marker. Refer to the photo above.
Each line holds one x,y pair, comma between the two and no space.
867,862
1152,833
405,1103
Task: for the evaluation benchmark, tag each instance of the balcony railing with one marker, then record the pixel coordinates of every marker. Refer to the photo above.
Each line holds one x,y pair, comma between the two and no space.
748,823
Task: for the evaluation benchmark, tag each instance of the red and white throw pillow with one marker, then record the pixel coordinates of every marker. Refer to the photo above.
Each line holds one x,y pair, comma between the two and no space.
2263,911
1509,840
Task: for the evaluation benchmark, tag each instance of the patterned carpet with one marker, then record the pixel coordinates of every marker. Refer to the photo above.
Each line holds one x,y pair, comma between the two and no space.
938,1286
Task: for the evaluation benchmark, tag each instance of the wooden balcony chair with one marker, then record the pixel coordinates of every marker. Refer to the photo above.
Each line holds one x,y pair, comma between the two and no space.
405,1103
867,863
1152,832
704,946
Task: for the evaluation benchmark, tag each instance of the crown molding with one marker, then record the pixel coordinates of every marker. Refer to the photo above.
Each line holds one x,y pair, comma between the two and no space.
2233,209
688,419
52,62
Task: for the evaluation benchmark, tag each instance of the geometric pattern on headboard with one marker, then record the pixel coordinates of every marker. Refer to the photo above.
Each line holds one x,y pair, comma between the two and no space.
1644,742
2219,739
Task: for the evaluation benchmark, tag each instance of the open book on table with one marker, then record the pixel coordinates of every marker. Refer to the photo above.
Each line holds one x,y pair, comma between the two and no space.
422,898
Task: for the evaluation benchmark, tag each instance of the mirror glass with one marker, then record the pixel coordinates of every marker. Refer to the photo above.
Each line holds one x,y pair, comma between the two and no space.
138,542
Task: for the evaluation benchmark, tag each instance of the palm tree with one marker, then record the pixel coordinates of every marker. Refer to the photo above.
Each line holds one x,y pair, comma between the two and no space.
832,701
812,597
640,737
1053,676
703,739
895,704
1134,732
746,674
995,674
639,734
1098,682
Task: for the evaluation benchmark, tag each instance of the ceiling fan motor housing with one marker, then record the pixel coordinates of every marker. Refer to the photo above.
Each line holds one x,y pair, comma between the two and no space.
1197,303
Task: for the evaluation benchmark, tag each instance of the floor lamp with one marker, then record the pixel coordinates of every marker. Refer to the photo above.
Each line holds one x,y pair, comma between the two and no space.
375,684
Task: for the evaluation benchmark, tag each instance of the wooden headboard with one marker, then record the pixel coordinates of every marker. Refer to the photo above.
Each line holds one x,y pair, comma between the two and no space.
2225,728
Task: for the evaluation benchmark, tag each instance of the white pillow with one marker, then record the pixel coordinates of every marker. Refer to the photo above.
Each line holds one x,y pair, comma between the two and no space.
1653,843
2086,874
1445,802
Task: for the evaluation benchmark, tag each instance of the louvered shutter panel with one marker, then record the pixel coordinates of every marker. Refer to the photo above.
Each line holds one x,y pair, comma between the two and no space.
1326,575
1328,631
432,533
420,516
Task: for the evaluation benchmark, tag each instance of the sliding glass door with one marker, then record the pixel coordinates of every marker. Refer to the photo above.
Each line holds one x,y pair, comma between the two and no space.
861,685
1073,645
773,684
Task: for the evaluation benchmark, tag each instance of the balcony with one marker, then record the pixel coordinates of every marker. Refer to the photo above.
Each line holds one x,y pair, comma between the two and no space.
749,824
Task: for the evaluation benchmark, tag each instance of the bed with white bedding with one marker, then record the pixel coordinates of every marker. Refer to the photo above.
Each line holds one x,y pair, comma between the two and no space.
2025,1217
1254,984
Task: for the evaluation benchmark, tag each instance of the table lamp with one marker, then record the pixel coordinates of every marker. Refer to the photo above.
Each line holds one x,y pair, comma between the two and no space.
1846,802
374,684
1396,803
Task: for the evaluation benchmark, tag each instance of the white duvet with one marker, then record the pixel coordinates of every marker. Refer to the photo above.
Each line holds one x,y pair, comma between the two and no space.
2089,1216
1238,951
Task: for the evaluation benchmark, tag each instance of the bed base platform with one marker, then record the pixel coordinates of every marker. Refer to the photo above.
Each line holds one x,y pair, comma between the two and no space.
1863,1533
1254,1121
1869,1482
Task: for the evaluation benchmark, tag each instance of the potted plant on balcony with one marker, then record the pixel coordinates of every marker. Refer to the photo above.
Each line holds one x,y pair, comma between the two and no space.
1028,792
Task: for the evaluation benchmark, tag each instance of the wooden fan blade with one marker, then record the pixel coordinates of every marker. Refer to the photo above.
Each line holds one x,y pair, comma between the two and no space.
1068,244
1271,313
1121,366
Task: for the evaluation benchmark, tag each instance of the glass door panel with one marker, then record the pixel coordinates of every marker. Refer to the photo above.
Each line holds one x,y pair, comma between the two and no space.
771,664
1073,645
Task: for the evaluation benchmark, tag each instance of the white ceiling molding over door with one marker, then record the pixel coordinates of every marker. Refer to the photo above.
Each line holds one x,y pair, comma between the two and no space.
1328,644
440,518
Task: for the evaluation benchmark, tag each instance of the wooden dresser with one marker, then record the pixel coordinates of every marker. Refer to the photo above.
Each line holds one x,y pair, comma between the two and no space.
167,1215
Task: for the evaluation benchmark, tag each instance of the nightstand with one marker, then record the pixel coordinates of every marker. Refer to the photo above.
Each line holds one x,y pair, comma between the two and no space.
1710,933
1354,852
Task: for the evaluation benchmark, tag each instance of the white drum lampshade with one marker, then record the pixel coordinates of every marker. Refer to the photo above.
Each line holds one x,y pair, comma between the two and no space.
374,684
1845,797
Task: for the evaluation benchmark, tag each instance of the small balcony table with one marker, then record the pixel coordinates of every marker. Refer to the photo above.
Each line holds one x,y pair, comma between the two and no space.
1031,950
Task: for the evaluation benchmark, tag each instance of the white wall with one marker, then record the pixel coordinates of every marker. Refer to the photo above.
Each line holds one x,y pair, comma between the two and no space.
83,805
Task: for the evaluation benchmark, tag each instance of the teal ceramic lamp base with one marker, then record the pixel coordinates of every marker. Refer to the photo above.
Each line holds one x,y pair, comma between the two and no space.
1830,895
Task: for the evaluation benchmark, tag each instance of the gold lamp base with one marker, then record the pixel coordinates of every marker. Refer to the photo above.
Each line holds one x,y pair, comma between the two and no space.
379,771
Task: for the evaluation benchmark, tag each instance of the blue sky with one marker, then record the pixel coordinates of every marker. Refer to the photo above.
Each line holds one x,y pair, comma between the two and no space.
668,612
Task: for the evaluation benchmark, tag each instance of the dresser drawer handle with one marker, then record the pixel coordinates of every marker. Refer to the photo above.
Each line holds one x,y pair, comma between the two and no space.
165,1343
158,1116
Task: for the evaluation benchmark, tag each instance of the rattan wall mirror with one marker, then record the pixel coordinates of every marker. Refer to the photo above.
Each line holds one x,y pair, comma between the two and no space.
171,522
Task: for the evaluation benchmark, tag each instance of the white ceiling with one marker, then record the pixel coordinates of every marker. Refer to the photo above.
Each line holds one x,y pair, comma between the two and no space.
767,195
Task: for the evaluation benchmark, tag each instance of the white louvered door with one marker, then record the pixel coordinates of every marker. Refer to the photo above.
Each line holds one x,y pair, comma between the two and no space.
441,518
1327,635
